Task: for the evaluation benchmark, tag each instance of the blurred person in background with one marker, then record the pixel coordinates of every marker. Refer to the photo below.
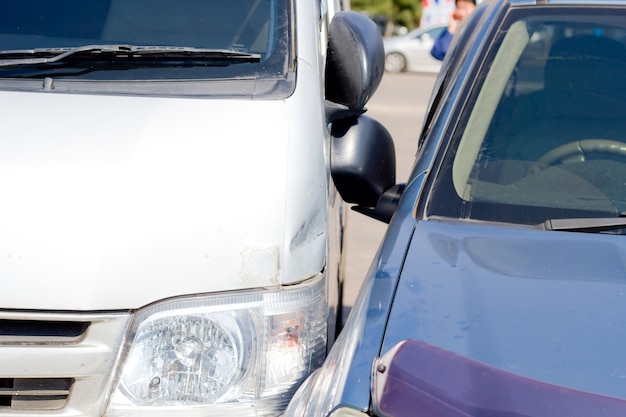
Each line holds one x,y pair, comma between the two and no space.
463,8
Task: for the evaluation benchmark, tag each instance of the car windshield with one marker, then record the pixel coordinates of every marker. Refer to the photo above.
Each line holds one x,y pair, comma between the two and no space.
145,39
545,134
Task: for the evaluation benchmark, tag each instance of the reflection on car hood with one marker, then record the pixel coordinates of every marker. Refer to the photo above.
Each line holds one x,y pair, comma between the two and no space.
542,305
419,376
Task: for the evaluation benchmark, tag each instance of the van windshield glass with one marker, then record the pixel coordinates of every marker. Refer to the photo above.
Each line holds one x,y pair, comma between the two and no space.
145,39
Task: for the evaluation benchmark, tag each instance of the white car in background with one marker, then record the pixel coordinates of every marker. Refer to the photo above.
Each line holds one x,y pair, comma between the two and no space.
411,52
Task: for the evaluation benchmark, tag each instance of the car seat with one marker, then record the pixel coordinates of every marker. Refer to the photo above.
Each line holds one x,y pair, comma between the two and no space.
584,97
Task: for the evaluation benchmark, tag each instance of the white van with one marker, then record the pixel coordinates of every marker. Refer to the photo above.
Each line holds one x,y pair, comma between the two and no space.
170,231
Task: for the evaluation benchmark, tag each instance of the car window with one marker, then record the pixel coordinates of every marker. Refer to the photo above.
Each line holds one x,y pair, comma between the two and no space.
246,26
545,136
461,45
433,33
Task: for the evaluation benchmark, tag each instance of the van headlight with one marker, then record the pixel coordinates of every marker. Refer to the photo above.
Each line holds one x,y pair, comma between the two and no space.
235,354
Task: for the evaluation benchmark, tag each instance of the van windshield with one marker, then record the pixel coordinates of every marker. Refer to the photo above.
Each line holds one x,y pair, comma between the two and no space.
145,39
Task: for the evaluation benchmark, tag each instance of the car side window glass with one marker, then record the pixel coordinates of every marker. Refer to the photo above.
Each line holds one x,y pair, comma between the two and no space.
431,35
450,67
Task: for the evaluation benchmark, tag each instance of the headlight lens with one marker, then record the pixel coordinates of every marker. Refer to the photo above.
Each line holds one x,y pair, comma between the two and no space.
243,354
189,359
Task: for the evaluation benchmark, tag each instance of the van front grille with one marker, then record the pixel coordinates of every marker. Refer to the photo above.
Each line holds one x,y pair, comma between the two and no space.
35,394
41,332
59,364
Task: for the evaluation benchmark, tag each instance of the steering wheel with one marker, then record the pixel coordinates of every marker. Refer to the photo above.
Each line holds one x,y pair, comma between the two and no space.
576,151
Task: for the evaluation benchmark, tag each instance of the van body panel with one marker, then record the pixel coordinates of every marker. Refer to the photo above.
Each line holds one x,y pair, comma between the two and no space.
187,194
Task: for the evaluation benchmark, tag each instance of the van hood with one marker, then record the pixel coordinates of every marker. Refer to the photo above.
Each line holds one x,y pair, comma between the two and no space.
539,304
122,201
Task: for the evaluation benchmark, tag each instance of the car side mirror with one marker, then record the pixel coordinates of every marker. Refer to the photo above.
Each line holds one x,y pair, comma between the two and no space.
355,64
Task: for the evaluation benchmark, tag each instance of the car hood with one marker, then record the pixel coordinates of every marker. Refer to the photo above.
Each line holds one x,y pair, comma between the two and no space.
123,201
539,304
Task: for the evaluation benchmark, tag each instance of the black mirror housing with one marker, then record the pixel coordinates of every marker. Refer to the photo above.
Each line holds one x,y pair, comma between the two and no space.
363,160
355,62
386,205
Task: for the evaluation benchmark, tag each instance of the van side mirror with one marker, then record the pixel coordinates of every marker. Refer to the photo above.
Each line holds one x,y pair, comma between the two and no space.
355,64
362,161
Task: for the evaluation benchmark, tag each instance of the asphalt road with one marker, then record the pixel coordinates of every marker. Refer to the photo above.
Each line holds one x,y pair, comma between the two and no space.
399,104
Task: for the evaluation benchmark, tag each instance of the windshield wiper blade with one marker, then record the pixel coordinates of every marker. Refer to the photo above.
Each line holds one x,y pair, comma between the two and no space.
590,225
39,56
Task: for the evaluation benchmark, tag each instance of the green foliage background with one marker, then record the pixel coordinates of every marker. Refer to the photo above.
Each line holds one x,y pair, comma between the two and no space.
397,12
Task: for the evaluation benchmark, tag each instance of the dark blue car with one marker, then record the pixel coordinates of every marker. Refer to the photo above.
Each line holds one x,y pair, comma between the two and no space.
500,287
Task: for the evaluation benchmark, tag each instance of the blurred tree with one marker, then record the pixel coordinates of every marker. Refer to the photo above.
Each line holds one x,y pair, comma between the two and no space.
394,13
